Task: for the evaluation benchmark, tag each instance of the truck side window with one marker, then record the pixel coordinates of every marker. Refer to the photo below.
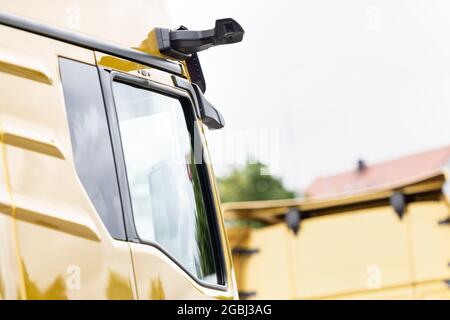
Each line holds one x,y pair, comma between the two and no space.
164,183
91,142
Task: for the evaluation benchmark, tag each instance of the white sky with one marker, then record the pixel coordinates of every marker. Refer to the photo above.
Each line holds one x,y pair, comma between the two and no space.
338,80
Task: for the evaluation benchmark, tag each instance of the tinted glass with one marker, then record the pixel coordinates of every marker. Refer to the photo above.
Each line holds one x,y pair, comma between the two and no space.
165,187
91,143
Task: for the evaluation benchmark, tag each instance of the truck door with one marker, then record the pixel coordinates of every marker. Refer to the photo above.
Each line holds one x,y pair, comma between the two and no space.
109,196
68,231
173,221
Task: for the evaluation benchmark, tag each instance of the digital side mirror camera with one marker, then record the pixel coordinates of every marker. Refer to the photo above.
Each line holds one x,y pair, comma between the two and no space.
182,43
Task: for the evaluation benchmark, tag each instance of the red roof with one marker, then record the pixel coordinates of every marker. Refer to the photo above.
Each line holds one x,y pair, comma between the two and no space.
381,174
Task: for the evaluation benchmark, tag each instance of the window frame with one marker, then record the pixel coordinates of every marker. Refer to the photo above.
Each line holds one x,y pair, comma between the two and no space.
107,77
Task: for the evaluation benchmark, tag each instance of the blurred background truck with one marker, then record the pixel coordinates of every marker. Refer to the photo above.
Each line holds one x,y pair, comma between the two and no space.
378,232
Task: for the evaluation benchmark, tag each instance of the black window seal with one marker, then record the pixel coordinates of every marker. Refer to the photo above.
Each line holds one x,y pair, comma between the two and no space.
88,42
107,77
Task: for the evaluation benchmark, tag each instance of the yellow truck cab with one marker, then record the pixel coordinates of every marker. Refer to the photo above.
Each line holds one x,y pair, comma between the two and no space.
106,191
392,243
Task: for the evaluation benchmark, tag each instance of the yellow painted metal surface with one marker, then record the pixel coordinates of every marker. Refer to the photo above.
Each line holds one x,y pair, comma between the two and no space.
63,250
335,255
430,240
53,244
9,268
348,251
158,277
433,290
259,272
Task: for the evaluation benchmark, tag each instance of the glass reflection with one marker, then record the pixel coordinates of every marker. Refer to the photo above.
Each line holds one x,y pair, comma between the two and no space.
165,187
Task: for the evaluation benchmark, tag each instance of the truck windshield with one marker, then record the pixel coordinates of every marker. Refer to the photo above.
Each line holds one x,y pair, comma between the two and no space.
164,182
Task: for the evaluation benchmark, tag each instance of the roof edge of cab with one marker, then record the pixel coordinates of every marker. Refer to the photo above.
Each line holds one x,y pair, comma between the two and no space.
88,42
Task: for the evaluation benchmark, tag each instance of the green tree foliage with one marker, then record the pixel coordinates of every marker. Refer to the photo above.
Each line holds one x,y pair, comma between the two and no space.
249,184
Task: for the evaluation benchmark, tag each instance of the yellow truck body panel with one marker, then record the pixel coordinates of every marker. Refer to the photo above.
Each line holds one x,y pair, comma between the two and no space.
53,243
